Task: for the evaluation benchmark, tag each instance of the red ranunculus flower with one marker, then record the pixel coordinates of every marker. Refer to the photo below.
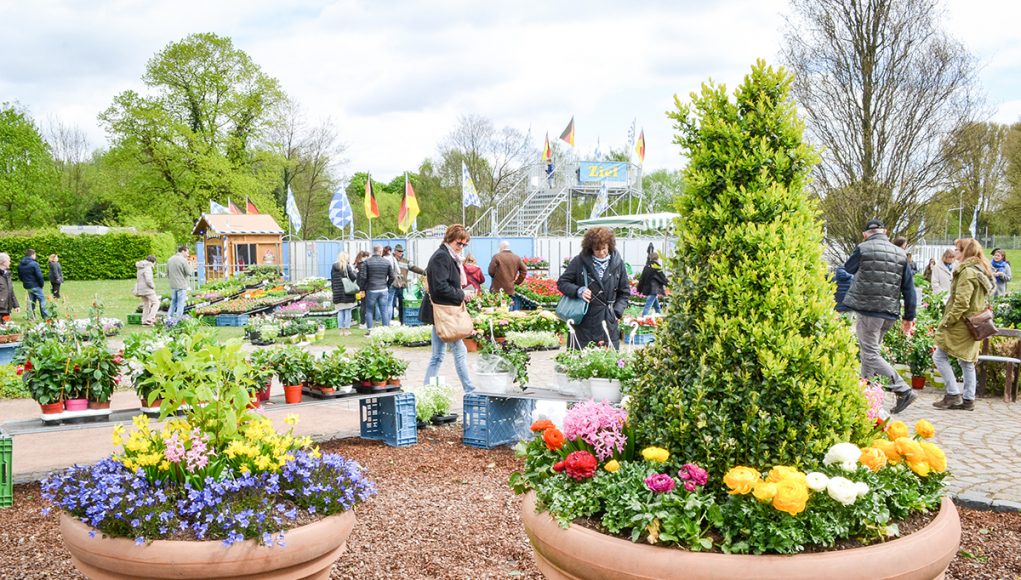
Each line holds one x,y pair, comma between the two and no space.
19,369
559,466
554,438
541,425
28,365
580,465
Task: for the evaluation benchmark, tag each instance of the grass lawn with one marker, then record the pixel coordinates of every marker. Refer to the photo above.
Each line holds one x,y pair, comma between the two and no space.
1014,257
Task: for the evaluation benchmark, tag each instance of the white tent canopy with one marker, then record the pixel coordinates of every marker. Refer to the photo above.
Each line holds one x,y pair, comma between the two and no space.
643,221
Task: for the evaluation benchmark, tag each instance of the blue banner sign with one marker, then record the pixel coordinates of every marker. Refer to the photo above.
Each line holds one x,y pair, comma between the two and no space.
599,171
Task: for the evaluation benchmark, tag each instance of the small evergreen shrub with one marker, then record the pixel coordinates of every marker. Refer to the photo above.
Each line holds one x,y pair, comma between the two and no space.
752,366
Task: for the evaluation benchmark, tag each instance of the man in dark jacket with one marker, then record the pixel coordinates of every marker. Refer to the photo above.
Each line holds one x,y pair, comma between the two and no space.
882,275
843,281
652,283
32,280
8,299
506,270
374,278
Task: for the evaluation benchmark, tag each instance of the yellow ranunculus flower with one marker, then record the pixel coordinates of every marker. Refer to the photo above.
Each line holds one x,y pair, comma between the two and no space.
934,456
791,496
764,491
920,467
741,480
873,458
924,429
612,465
655,454
889,448
782,472
910,449
896,429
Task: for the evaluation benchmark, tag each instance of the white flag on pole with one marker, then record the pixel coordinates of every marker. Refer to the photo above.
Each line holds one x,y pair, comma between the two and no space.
469,195
292,210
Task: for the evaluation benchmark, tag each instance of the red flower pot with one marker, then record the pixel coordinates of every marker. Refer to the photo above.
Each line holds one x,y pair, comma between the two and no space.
471,345
918,381
53,408
327,390
263,395
292,394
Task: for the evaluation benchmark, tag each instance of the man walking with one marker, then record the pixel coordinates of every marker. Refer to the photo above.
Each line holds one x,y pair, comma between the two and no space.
179,273
374,277
506,269
882,275
32,280
400,280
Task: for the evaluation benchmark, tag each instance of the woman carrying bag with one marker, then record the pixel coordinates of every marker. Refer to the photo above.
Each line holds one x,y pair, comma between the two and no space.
443,304
597,276
969,294
345,292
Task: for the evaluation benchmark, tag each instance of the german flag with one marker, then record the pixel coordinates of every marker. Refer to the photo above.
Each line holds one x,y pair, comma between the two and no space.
371,209
547,153
409,207
640,147
568,135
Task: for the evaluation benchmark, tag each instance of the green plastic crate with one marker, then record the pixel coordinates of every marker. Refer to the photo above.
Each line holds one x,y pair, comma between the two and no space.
6,471
134,318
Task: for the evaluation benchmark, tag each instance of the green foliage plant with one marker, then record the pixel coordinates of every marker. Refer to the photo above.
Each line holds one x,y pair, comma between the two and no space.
752,366
109,256
434,399
293,365
11,385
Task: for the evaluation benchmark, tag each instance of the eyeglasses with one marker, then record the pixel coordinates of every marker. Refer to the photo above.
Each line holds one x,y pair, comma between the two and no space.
461,244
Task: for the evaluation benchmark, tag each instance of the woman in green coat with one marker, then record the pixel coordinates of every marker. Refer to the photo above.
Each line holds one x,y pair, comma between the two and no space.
969,293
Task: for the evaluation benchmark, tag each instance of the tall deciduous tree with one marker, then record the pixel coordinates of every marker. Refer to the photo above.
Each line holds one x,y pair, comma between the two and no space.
881,87
196,132
1010,211
27,174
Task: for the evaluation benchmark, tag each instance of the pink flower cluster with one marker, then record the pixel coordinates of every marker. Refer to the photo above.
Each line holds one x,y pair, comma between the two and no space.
660,483
874,397
198,456
599,424
693,476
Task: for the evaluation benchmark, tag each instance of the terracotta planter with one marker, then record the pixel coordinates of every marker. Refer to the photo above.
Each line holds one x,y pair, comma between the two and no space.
310,552
53,408
394,381
327,390
292,393
471,345
578,552
99,404
379,383
76,404
918,382
156,403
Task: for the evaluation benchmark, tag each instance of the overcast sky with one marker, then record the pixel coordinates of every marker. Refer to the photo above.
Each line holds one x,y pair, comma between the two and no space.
394,76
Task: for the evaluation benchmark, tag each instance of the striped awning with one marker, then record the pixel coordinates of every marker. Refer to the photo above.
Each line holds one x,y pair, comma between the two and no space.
642,221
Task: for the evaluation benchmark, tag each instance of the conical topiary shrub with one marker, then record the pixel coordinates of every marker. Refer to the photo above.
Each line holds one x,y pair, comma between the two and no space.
752,366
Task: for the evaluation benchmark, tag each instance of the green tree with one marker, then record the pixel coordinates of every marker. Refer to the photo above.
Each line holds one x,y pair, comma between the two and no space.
197,134
660,188
752,367
1010,210
28,177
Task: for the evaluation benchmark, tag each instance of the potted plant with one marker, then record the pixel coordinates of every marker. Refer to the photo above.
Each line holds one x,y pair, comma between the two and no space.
376,365
43,372
292,366
922,345
261,362
501,367
214,459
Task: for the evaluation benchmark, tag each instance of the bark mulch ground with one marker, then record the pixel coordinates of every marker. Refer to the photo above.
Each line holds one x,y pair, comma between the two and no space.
444,511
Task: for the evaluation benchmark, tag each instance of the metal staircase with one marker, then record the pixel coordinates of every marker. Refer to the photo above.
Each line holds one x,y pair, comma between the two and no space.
528,218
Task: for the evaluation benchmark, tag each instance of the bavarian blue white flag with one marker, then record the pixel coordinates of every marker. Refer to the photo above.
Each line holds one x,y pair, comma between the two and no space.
341,214
217,209
292,210
602,201
469,195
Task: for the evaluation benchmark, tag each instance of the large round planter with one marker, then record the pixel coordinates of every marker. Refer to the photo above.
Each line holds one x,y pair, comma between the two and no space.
578,552
309,552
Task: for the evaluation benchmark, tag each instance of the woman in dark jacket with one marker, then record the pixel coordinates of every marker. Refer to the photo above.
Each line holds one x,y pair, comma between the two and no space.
446,280
606,291
8,299
652,283
345,302
56,275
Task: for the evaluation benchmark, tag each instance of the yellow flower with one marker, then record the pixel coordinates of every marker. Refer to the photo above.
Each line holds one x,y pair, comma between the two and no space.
924,429
889,448
896,429
741,480
655,454
244,469
910,449
612,465
791,496
764,491
291,419
782,472
118,435
164,465
934,456
920,467
140,421
873,458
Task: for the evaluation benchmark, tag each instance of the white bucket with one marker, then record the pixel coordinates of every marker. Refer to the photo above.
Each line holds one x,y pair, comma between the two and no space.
607,390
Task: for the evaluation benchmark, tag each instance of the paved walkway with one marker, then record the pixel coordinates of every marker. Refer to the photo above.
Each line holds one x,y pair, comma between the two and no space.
983,446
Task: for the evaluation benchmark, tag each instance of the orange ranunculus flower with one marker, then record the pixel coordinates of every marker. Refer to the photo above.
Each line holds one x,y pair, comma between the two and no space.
924,429
764,491
896,429
873,458
791,496
889,448
909,449
782,472
741,480
542,425
934,456
554,438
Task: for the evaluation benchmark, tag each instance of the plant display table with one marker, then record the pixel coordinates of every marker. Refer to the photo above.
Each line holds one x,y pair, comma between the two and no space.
7,351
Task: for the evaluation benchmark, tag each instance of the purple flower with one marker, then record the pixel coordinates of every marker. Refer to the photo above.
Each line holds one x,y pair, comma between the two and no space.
621,363
660,483
694,475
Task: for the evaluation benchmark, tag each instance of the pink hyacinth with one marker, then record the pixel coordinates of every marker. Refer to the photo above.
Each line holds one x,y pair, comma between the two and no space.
599,424
660,483
175,449
198,456
874,398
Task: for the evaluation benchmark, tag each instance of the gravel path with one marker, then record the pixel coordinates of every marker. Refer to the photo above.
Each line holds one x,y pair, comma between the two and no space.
444,511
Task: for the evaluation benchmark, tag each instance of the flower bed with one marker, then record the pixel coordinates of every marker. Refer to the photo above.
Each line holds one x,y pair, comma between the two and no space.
504,321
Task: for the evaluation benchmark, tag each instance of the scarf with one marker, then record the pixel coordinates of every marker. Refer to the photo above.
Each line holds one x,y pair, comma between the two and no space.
460,264
999,265
600,265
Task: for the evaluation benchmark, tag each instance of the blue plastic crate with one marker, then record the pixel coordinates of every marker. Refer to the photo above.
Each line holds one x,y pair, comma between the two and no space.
491,421
389,419
640,339
7,352
231,319
411,316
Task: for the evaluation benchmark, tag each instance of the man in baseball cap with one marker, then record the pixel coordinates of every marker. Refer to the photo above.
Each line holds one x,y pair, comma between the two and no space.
882,276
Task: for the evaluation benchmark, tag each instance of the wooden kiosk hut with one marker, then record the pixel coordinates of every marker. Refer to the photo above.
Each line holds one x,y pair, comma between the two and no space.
232,242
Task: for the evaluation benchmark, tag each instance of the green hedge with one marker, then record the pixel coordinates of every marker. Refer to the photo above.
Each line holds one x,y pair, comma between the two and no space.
87,256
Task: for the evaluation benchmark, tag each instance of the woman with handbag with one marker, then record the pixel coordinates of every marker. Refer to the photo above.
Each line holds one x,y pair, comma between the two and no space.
598,277
969,293
444,305
345,290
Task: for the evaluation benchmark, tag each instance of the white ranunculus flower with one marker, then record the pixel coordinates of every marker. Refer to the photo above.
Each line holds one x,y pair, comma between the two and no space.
842,489
861,487
845,454
816,481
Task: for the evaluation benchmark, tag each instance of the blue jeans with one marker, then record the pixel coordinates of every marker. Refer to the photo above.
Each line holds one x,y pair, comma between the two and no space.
344,318
377,299
460,361
37,295
178,297
651,302
949,380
